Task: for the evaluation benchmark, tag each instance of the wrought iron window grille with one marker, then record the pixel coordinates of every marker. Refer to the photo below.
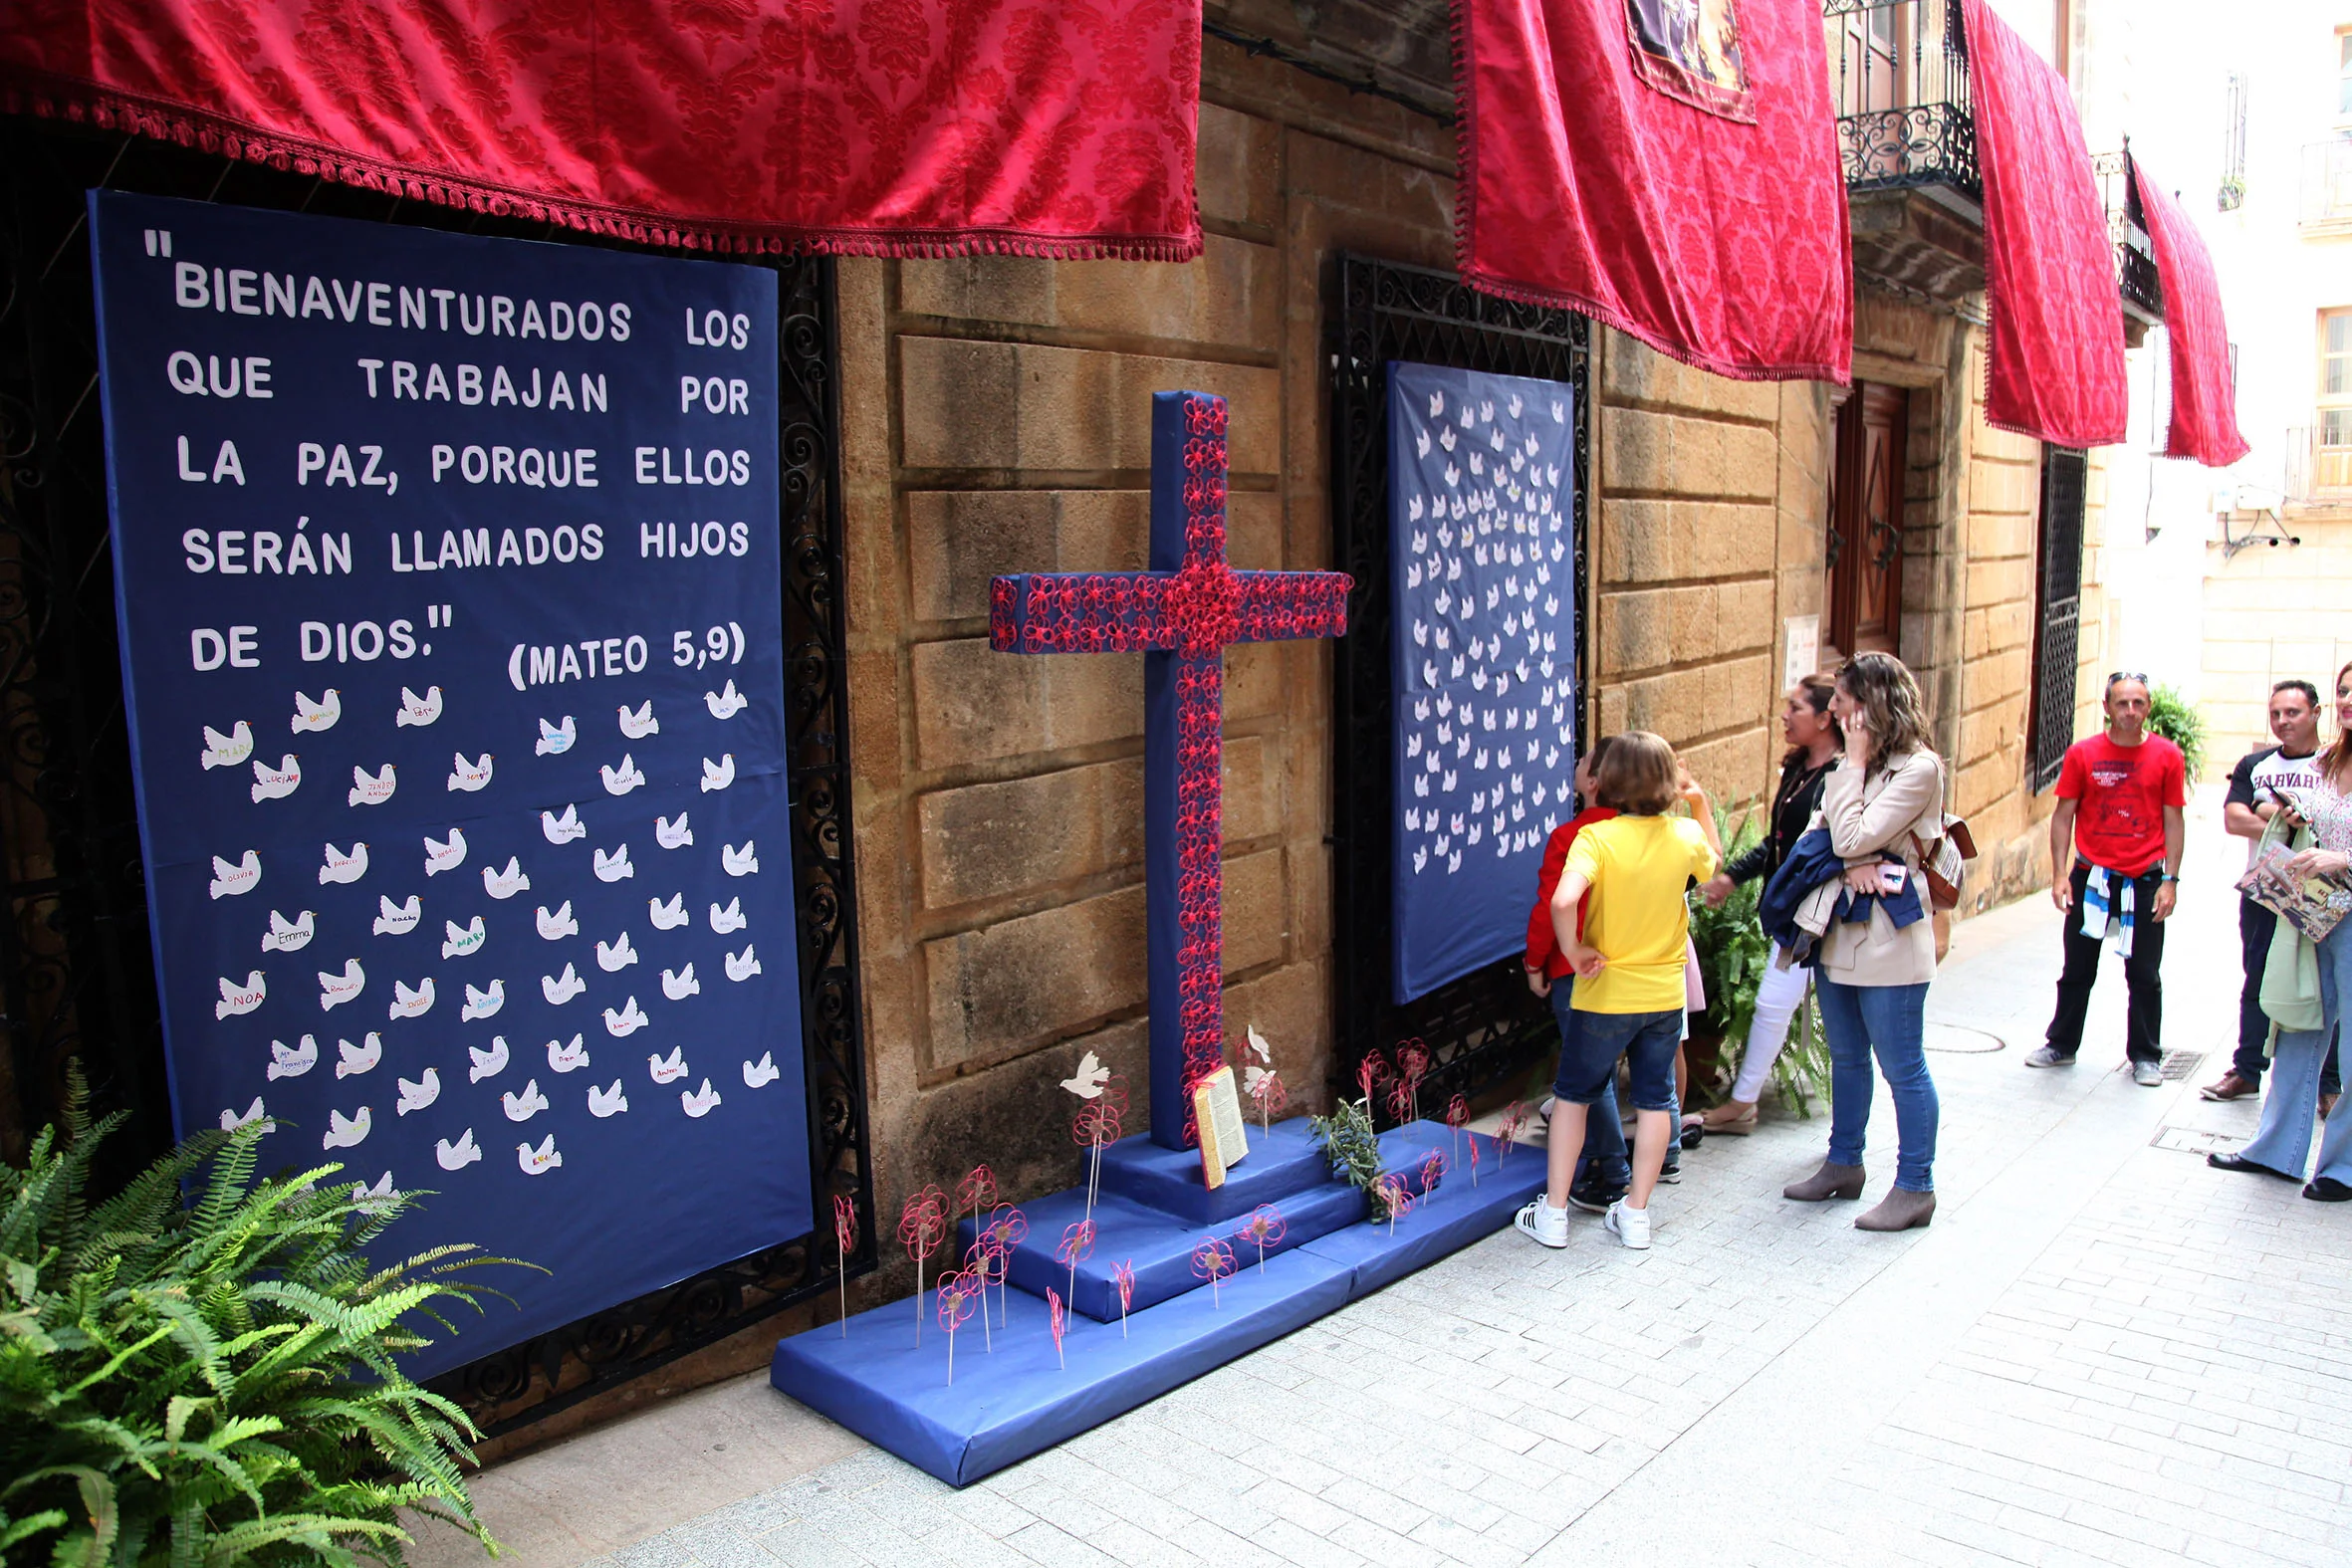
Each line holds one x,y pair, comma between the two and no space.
2057,615
77,975
1486,1027
2127,232
1899,77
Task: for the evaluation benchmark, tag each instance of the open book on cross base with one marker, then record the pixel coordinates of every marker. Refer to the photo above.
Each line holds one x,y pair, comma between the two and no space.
1224,1137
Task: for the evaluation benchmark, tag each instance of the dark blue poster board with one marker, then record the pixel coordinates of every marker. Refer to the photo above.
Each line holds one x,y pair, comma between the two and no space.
1480,497
448,571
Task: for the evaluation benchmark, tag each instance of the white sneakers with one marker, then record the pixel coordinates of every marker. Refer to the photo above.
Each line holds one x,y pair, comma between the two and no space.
1548,1225
1631,1224
2046,1057
2147,1074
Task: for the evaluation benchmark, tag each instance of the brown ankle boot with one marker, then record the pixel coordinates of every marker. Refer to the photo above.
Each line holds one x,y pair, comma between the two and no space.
1899,1210
1831,1181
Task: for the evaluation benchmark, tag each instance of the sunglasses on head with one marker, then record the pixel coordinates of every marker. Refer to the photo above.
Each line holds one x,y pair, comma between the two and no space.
2125,675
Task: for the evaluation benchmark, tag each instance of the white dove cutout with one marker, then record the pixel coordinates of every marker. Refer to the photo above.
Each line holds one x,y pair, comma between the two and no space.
607,1102
417,1096
236,999
539,1161
567,1055
440,858
481,1004
621,779
672,835
227,751
277,785
630,1018
522,1108
415,1003
233,877
312,717
374,789
230,1121
638,723
487,1063
759,1075
743,964
560,988
1258,1045
559,925
346,1132
469,777
718,774
1086,1084
555,738
397,920
289,936
613,867
341,867
373,1196
562,830
292,1061
417,711
740,862
614,957
729,919
670,1068
359,1058
680,984
670,915
700,1102
505,881
457,1156
725,704
463,941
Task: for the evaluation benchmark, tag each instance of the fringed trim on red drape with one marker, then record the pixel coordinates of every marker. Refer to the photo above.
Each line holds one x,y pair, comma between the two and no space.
83,102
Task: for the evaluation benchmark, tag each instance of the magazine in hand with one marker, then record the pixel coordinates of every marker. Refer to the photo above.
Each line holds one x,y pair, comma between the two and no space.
2314,904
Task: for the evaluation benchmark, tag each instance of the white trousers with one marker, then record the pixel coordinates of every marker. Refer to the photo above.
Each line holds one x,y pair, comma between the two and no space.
1778,996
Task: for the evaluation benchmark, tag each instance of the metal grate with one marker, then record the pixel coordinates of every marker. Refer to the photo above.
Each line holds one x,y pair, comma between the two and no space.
2057,611
76,977
1486,1025
2177,1064
1900,79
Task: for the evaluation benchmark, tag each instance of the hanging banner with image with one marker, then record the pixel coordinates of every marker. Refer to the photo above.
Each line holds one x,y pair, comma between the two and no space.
1481,502
449,582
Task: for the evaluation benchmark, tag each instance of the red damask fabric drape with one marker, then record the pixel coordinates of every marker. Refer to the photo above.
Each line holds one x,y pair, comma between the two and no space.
2049,271
2204,393
1715,235
1046,128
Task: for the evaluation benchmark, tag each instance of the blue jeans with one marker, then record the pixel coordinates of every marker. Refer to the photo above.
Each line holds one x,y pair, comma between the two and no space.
1604,1153
1591,1043
2284,1140
1891,1020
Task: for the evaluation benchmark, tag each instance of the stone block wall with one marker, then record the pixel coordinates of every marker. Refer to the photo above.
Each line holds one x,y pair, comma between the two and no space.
2273,614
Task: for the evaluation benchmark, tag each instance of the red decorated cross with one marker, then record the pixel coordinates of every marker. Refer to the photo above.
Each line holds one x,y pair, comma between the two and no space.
1181,615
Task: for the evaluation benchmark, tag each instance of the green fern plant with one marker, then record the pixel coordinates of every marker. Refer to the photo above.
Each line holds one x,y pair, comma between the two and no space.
2176,719
212,1381
1732,954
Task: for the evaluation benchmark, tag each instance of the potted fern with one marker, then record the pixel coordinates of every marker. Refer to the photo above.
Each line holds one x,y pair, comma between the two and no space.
212,1380
1733,952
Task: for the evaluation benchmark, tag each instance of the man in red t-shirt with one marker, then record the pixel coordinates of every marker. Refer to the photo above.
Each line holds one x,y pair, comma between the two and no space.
2115,865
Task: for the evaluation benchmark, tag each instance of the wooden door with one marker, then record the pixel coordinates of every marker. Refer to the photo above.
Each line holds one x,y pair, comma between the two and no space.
1865,542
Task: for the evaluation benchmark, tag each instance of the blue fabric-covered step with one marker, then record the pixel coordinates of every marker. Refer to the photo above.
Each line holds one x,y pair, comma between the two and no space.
1283,1161
1443,1221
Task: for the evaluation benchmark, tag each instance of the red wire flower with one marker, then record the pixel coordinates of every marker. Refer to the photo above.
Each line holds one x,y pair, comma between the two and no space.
1457,1111
1370,1073
1212,1260
957,1293
977,1190
1507,1132
1007,1225
1078,1244
1433,1170
1056,1320
1396,1196
1264,1228
846,1224
1401,1099
1123,1275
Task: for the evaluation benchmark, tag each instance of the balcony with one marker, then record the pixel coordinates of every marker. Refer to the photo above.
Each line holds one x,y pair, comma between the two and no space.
2327,187
1899,76
2135,255
2320,462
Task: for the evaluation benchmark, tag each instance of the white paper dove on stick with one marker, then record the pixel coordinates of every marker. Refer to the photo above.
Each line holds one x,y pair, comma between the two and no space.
1258,1045
1088,1083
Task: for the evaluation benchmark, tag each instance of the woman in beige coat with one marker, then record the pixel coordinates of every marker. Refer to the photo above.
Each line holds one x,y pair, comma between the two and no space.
1882,807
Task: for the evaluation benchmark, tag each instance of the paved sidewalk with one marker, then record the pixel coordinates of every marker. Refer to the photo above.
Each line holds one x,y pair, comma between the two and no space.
2101,1352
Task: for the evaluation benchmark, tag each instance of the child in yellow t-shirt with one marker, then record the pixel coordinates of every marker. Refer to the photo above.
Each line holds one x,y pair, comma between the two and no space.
1626,877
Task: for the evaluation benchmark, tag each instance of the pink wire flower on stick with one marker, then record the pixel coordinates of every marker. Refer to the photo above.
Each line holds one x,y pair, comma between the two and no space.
1057,1319
1473,1162
1265,1227
1396,1196
1400,1100
1370,1073
981,1261
845,1232
1123,1275
1456,1116
1097,1122
1433,1170
956,1293
1007,1226
975,1192
1078,1244
1508,1131
1412,1066
922,1226
1261,1083
1213,1260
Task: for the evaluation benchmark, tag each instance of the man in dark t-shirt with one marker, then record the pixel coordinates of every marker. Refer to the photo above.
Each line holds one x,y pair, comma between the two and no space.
2294,720
2115,864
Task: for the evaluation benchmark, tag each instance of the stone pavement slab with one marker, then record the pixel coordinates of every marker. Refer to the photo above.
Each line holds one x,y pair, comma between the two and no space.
2101,1352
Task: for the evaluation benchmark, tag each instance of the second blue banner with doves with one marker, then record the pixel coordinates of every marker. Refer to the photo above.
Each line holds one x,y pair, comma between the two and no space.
450,584
1481,495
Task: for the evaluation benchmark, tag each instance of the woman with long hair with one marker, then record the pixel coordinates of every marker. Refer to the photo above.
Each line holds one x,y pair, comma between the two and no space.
1882,806
1814,742
2285,1138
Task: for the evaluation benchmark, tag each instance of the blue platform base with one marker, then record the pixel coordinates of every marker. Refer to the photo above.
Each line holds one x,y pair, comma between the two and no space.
1019,1399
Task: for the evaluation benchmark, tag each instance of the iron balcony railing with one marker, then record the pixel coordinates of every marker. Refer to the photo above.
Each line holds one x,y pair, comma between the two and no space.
2319,460
2327,181
2127,231
1899,69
